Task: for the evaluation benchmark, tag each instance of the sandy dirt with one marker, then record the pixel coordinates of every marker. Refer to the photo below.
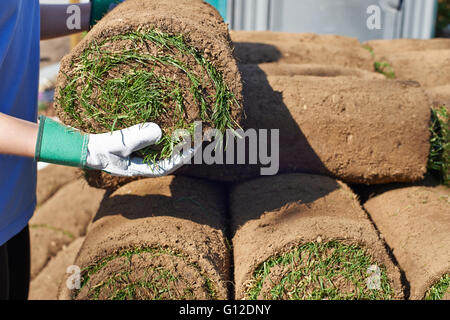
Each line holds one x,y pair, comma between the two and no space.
415,222
60,220
51,179
45,285
184,216
382,48
430,68
295,209
316,70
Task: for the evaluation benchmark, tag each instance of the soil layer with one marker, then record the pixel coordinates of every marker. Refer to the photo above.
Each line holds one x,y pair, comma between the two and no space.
51,179
272,216
160,238
60,220
45,285
382,48
430,67
317,70
415,223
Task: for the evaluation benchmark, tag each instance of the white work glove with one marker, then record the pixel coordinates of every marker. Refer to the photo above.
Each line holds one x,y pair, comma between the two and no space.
110,152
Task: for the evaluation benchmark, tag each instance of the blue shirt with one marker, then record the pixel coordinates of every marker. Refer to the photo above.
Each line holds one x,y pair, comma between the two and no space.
19,79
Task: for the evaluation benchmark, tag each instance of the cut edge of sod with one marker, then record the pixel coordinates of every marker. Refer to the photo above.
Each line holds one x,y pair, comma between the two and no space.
140,95
439,289
309,274
439,159
129,290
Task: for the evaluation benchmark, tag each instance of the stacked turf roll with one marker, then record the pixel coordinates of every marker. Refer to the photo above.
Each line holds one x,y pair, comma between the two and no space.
168,62
303,236
415,221
159,238
358,130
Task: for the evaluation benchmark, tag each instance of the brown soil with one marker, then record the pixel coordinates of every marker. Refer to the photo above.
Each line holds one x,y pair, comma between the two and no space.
45,285
317,70
51,178
202,27
60,220
360,131
303,53
431,68
440,96
295,209
415,223
185,218
382,48
263,36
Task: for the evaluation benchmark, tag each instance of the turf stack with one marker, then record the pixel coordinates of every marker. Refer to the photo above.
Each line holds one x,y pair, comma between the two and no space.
301,48
382,48
45,285
60,220
168,62
52,178
316,70
306,237
159,238
415,223
357,130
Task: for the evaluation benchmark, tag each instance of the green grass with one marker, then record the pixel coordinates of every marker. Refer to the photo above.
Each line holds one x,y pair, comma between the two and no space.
438,291
385,68
314,271
159,285
113,90
439,159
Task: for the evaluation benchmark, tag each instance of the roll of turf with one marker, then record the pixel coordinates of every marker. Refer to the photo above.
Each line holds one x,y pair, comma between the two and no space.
383,47
51,179
60,220
260,47
415,223
301,236
429,67
45,285
168,62
316,70
159,238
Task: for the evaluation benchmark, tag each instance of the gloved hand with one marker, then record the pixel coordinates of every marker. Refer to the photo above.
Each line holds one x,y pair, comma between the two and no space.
109,152
100,7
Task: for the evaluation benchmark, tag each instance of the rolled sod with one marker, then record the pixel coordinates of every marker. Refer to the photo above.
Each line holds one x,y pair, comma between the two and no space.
302,236
429,67
356,130
168,62
60,220
415,223
260,47
45,285
383,47
317,70
51,179
160,238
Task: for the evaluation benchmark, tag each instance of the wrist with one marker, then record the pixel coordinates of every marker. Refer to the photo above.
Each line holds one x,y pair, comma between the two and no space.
59,144
99,8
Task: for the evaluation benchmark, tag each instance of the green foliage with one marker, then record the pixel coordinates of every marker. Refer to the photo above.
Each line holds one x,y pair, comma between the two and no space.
443,18
315,271
385,68
438,291
439,159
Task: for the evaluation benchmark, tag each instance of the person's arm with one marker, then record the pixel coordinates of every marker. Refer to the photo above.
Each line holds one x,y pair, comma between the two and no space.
52,142
55,18
58,19
17,136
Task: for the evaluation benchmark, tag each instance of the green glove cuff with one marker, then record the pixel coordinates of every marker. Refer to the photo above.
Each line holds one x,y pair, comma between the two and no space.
99,8
59,144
